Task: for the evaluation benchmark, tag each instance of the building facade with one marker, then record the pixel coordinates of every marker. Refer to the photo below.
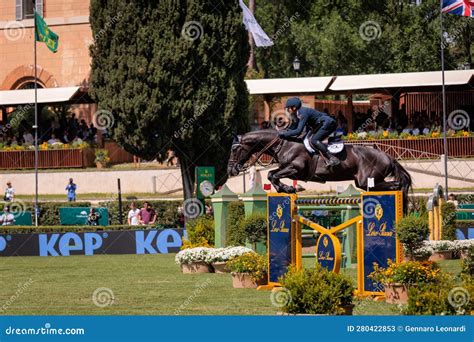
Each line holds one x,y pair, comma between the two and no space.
69,66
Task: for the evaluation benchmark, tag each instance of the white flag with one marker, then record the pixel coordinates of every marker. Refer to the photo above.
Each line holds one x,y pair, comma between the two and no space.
259,36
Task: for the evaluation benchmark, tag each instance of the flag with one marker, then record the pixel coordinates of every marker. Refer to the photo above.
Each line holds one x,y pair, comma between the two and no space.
259,36
44,34
459,7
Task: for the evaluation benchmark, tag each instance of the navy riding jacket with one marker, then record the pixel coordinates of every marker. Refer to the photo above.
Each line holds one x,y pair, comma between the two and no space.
307,117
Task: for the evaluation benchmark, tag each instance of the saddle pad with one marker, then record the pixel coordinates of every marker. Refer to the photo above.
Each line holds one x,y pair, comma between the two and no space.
307,145
336,147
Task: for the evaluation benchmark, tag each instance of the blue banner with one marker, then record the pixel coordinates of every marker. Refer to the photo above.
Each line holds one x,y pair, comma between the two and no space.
279,236
379,238
151,241
237,328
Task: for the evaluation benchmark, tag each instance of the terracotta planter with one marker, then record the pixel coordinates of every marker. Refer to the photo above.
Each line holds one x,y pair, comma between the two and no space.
99,165
416,258
441,255
243,281
396,293
195,267
219,267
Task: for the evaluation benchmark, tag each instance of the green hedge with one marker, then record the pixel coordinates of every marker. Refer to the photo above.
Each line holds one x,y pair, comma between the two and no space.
166,211
76,229
235,234
49,211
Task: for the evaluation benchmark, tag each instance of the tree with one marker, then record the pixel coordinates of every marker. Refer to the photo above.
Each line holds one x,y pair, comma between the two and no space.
172,75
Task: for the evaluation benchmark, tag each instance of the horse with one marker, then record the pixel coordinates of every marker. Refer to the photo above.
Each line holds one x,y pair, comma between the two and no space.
358,163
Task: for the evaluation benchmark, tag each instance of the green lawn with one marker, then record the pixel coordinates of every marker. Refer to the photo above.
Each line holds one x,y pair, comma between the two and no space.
141,285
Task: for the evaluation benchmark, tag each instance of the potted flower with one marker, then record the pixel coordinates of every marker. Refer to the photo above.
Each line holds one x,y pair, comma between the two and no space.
398,278
463,246
102,158
412,231
193,260
423,253
316,291
248,270
442,250
218,257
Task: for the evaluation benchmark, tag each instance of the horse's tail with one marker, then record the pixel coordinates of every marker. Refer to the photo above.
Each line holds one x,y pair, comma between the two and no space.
402,176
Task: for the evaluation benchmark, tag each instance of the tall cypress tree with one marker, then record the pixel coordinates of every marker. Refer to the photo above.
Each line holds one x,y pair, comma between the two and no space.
172,74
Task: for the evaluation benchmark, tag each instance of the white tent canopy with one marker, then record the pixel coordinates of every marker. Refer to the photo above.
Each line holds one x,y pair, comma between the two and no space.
357,82
288,85
45,95
402,80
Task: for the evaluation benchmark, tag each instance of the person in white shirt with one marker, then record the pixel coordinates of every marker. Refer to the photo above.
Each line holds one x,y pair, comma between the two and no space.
52,140
28,138
9,193
133,215
7,218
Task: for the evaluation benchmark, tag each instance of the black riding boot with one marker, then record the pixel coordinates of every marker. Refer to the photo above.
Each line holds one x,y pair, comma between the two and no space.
332,160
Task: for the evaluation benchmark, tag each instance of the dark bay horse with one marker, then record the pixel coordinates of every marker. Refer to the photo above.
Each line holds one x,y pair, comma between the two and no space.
358,163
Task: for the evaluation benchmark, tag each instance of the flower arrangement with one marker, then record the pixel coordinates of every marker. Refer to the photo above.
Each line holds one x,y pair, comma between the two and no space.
226,254
191,255
45,146
251,263
463,245
411,272
380,135
102,156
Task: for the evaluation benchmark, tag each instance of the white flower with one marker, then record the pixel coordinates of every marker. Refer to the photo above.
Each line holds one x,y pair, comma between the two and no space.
209,255
462,245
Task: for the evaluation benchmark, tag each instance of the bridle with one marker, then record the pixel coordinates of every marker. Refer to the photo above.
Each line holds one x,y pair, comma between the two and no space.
246,166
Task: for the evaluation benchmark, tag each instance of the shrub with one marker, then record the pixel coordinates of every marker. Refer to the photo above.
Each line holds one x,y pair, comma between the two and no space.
467,265
201,231
410,272
251,263
440,298
235,234
448,214
255,228
412,231
316,291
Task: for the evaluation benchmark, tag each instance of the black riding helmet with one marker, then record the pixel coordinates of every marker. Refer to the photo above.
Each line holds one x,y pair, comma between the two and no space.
293,102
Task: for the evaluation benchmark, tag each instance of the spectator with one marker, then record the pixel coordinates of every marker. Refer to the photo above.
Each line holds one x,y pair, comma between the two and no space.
7,218
71,191
93,218
170,158
52,140
9,193
147,215
133,214
28,138
452,199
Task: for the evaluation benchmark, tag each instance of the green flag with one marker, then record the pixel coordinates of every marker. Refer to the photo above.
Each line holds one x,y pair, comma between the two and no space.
44,34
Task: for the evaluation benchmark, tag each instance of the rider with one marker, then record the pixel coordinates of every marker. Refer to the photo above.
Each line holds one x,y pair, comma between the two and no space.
321,124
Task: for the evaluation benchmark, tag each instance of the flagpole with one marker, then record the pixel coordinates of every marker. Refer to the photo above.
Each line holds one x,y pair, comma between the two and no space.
445,140
36,121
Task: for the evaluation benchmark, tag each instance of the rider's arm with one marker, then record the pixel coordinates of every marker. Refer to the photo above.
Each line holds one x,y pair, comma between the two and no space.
297,131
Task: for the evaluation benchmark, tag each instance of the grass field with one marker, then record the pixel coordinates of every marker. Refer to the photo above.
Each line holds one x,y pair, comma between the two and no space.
141,285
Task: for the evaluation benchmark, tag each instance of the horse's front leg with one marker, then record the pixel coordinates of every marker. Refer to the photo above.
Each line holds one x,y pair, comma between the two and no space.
274,177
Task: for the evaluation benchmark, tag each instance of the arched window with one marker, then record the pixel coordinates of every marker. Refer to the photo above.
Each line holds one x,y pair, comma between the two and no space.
30,85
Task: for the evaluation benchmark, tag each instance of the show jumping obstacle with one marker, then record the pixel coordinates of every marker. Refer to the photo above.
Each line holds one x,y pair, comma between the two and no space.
375,228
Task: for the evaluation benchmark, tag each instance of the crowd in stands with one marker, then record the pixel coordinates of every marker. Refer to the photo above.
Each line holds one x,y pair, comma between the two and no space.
65,130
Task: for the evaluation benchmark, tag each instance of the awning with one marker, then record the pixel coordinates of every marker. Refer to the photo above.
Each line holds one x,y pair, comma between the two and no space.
45,95
288,85
401,80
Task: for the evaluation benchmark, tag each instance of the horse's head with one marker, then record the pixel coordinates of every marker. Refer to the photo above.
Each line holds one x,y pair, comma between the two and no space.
239,155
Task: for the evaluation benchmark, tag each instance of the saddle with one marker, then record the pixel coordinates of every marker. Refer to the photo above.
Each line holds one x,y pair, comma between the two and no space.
335,145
